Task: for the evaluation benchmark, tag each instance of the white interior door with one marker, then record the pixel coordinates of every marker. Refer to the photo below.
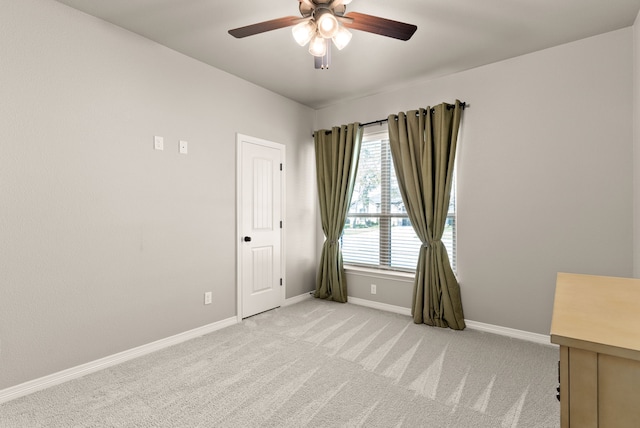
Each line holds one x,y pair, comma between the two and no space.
260,279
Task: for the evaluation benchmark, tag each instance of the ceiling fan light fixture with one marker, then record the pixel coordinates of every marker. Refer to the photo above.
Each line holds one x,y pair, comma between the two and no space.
326,22
342,38
303,32
318,46
327,19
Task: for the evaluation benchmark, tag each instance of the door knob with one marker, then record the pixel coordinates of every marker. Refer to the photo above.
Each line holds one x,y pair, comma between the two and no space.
247,239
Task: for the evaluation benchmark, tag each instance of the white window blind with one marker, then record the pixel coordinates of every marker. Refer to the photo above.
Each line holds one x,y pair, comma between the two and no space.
378,232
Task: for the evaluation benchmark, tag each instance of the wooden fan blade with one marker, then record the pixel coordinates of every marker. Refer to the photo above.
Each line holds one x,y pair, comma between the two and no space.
265,26
382,26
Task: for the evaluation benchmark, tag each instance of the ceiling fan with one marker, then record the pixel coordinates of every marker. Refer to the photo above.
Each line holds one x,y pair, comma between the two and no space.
327,19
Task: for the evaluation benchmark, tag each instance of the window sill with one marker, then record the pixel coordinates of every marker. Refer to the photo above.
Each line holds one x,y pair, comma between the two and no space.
379,273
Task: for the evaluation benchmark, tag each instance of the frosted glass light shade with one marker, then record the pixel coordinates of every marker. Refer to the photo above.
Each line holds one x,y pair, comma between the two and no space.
342,38
303,32
338,3
327,24
318,46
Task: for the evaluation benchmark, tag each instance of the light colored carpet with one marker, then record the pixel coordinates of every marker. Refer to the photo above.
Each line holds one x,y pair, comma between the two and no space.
317,364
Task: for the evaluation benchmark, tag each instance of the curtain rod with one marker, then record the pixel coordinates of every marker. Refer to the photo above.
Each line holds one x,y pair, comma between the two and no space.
463,105
381,121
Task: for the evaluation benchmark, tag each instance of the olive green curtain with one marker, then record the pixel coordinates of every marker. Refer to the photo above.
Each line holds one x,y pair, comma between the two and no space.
423,148
337,154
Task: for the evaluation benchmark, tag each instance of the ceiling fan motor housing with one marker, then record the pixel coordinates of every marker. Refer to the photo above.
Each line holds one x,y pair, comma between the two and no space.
309,7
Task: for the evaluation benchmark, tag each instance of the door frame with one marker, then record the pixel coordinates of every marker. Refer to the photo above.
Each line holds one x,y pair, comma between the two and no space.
240,139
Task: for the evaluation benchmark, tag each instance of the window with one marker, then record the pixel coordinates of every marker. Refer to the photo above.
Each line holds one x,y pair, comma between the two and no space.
378,232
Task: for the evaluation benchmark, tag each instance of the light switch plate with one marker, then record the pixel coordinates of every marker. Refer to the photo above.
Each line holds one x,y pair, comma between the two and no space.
183,147
158,143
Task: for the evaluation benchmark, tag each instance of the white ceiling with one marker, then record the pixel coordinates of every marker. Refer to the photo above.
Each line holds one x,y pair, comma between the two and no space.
452,35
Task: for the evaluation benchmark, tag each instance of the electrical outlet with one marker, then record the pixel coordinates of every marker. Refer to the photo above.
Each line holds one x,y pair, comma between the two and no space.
182,147
373,289
207,298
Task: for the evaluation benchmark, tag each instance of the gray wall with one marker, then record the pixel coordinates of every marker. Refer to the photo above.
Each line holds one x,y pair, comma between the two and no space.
545,175
106,244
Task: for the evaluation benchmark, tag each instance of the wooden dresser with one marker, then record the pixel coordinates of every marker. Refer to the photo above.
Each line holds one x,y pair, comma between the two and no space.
596,322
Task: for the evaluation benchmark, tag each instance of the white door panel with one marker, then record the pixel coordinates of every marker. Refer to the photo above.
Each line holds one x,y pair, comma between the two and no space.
260,196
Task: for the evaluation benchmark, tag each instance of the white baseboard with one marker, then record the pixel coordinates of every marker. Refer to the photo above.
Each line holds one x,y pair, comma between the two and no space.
298,299
112,360
542,339
377,305
473,325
